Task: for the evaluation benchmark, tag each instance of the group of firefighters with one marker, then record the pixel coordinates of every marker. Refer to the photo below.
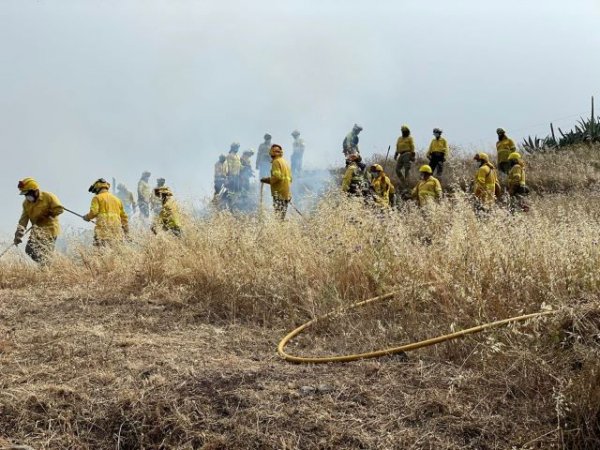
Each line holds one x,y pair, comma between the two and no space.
111,212
233,173
376,185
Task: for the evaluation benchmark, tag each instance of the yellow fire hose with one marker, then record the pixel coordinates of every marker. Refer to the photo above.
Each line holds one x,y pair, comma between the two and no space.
388,351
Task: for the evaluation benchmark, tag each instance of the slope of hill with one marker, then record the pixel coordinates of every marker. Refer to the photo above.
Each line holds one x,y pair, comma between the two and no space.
169,343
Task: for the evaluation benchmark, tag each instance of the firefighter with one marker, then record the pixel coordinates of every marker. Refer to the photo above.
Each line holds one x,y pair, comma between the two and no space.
297,153
126,197
144,194
486,182
517,187
280,181
111,220
382,188
438,152
221,172
405,154
428,190
168,218
41,209
263,160
504,147
246,171
354,181
234,165
350,144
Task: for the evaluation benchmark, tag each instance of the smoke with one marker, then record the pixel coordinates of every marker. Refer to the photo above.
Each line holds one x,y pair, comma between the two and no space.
109,88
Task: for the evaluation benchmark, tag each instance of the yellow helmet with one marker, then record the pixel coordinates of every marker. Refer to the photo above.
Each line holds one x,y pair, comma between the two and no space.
500,131
514,156
482,157
275,150
98,185
376,168
404,128
425,169
26,185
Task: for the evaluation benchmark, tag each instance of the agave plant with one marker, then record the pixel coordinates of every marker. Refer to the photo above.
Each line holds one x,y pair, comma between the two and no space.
585,131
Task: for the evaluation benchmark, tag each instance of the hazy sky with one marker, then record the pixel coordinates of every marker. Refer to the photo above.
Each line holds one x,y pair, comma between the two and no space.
97,88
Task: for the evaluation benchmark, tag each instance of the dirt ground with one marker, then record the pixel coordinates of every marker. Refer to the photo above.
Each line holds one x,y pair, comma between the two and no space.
81,372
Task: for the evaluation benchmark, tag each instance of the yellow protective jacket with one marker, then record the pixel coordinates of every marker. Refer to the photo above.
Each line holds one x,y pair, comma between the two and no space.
111,219
43,215
280,179
438,146
144,191
516,177
427,191
382,187
221,169
485,183
169,217
353,175
234,164
504,148
405,144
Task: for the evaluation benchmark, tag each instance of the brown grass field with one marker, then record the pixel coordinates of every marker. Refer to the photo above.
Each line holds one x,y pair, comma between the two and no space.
171,344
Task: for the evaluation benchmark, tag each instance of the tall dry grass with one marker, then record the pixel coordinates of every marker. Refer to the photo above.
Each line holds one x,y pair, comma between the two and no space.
537,383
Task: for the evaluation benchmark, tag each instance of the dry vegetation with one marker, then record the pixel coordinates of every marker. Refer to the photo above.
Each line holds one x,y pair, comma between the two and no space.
170,343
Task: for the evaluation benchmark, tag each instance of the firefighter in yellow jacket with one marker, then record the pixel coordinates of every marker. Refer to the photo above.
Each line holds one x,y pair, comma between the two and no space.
107,210
280,181
42,210
428,190
405,153
486,180
517,186
382,188
504,147
221,172
354,180
234,166
438,152
168,218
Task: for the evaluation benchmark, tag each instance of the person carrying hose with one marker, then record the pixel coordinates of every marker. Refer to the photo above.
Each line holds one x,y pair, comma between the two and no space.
168,218
280,181
428,190
486,182
42,210
405,154
111,220
438,152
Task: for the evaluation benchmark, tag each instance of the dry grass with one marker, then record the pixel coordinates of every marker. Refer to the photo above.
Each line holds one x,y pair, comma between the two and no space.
169,343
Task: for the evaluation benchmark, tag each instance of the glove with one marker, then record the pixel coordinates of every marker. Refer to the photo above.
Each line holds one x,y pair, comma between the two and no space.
265,180
86,218
395,156
19,235
413,157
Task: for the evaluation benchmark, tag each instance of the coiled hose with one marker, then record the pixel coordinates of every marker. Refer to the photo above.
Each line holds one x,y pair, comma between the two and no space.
391,350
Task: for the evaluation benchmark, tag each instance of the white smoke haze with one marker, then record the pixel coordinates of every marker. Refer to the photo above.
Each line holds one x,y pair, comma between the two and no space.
94,89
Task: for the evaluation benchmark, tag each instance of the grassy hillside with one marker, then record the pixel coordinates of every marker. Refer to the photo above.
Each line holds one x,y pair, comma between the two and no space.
169,343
